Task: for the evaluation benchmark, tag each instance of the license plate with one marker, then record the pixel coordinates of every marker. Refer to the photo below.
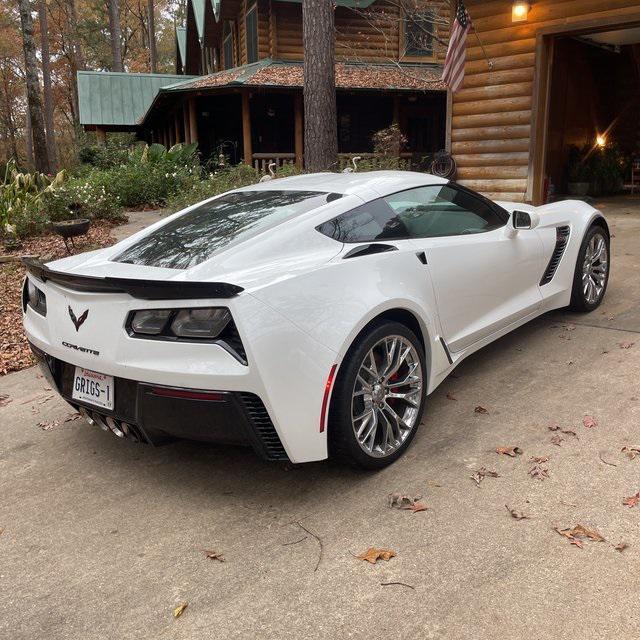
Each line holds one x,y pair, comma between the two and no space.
93,388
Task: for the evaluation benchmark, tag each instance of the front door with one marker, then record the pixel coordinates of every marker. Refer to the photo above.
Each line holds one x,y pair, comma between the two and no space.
485,276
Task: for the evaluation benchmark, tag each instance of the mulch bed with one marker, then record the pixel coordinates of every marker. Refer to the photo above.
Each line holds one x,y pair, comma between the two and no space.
14,350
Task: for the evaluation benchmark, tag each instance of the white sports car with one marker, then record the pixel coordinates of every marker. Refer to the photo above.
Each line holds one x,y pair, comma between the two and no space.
308,316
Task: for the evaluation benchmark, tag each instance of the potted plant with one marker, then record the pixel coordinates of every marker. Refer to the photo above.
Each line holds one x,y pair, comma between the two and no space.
578,173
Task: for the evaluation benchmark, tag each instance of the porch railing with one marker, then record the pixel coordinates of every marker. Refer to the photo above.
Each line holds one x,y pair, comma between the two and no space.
374,160
261,161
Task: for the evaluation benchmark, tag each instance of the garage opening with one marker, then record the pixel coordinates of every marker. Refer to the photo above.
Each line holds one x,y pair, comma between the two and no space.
593,123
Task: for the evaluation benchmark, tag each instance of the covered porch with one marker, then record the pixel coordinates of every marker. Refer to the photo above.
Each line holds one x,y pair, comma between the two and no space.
255,114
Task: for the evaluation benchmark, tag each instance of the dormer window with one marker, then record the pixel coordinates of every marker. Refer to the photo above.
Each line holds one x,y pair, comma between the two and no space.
419,35
251,24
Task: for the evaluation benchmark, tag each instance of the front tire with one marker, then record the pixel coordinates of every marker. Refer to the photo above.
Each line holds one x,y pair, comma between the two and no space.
378,398
592,271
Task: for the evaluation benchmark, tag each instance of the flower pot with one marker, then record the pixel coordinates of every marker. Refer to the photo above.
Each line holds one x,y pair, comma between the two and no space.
578,188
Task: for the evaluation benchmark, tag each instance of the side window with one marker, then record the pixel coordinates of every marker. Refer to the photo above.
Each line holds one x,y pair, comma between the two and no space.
418,34
443,210
228,46
366,223
251,24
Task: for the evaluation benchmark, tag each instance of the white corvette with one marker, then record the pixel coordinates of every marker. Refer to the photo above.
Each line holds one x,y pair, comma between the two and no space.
307,316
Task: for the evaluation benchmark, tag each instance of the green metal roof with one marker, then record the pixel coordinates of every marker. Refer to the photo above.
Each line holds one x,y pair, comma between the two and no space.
119,99
181,39
198,12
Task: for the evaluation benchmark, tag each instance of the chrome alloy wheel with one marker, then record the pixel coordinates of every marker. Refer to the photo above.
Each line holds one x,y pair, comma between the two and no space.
595,269
386,397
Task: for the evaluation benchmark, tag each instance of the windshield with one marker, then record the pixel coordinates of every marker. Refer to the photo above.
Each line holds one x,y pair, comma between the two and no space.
197,235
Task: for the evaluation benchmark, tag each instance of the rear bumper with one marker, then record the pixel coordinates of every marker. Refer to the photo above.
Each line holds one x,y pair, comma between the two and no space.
151,414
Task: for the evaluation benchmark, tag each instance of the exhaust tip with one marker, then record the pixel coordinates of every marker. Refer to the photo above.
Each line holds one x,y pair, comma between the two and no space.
85,415
99,420
115,429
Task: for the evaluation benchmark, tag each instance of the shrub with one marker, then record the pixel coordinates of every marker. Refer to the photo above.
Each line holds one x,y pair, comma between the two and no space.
215,183
83,198
21,200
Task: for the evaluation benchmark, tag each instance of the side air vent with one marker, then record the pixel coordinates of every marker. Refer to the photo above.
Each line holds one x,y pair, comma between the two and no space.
368,250
562,238
260,421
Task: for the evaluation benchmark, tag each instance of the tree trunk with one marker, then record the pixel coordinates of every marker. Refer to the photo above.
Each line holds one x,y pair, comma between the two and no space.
76,55
320,117
153,54
46,84
116,35
33,89
28,139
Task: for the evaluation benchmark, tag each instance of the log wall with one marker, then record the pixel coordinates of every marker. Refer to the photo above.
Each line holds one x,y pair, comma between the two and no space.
491,124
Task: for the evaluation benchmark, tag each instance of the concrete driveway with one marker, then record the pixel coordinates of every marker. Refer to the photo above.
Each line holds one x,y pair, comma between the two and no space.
102,538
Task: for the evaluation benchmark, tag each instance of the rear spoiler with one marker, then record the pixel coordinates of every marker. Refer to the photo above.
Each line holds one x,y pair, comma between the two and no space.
142,289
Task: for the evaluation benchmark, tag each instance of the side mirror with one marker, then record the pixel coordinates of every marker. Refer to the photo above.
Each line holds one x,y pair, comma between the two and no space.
524,220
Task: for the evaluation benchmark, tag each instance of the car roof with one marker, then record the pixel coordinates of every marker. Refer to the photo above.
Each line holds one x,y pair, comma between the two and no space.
355,183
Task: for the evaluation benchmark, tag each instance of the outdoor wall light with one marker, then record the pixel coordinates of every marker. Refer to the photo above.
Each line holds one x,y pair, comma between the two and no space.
601,140
520,11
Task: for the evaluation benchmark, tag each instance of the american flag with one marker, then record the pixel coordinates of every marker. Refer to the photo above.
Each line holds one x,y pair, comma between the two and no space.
453,73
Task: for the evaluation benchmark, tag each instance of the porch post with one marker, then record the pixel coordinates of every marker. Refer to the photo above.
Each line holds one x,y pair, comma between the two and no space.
193,121
246,129
299,129
177,127
101,136
396,109
185,122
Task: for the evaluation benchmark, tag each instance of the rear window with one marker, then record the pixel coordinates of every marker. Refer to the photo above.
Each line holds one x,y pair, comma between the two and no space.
195,236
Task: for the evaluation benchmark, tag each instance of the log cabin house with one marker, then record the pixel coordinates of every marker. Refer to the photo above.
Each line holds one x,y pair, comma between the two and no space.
237,91
565,74
549,77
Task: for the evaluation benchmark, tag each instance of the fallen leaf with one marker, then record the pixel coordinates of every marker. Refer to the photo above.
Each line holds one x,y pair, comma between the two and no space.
416,507
631,501
47,426
400,501
512,452
579,532
517,515
570,327
4,400
483,473
179,610
72,416
450,396
555,427
1,530
621,546
538,472
480,409
214,555
589,422
631,452
568,432
626,345
372,555
539,459
557,440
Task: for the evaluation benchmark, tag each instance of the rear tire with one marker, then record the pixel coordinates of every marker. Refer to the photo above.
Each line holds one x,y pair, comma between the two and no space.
591,275
378,398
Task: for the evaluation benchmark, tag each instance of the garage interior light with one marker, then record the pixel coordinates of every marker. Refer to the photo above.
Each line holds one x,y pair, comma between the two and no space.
520,11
